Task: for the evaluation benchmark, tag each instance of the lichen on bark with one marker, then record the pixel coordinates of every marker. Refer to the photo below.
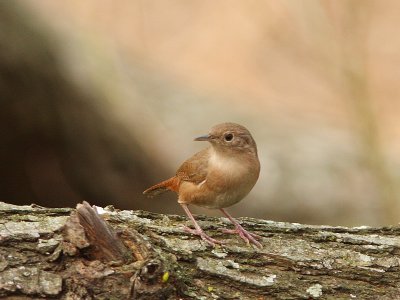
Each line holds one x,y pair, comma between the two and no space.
39,259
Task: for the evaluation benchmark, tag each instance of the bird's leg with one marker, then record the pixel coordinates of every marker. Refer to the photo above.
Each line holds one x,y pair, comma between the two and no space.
248,237
198,231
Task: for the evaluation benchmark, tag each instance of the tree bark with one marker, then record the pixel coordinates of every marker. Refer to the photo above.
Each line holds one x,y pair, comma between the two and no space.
73,254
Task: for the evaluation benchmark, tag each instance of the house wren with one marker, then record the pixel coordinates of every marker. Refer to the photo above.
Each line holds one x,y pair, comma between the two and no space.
217,177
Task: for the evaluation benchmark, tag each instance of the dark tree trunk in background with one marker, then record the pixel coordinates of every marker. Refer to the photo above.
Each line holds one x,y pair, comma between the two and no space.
58,143
47,253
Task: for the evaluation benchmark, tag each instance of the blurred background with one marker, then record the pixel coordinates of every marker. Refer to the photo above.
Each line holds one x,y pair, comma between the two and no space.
101,99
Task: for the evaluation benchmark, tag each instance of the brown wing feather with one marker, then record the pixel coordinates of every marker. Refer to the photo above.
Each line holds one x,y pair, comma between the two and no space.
195,168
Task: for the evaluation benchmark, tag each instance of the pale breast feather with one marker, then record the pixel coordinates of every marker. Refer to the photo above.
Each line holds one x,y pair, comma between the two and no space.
231,166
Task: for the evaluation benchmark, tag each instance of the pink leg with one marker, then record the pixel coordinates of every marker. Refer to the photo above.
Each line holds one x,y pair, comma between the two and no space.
243,233
198,231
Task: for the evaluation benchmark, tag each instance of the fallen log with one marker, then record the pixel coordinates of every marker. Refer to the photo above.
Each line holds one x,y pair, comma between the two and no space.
89,253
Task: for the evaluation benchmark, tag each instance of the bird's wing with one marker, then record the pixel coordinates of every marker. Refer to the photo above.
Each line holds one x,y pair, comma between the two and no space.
195,168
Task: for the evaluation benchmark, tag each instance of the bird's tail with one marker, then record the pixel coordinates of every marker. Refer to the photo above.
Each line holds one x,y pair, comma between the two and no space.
171,184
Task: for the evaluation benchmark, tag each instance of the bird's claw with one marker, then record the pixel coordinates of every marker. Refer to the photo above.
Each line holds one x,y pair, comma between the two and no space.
248,237
209,240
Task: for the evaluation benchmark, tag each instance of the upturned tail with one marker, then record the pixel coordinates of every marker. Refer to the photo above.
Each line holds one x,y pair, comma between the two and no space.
171,184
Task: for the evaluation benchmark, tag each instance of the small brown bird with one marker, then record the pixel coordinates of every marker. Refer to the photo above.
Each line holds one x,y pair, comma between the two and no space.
217,177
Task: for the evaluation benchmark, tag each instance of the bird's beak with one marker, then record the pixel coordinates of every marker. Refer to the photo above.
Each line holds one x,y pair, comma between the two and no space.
206,137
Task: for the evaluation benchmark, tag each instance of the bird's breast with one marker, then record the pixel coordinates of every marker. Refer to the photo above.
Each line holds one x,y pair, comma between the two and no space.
229,179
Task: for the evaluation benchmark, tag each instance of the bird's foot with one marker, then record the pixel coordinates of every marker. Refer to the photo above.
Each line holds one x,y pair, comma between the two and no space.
248,237
209,240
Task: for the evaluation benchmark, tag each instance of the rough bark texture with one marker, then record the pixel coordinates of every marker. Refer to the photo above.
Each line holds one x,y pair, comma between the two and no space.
50,253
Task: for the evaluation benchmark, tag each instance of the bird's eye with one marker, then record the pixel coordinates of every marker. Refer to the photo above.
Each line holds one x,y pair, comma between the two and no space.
228,137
